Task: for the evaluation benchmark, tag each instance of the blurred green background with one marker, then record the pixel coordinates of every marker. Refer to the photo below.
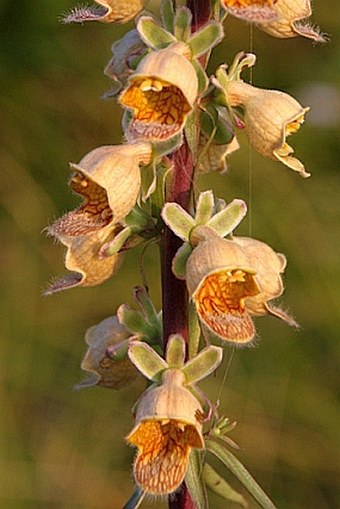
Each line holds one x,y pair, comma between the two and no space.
61,449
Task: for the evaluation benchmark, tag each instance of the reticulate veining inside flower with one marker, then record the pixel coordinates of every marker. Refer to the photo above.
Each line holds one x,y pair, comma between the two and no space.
220,304
92,215
163,451
159,108
252,10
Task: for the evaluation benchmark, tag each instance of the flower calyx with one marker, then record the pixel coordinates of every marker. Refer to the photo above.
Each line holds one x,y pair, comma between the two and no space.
216,216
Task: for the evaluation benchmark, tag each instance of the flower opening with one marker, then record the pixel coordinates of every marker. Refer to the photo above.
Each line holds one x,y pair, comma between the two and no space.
257,11
159,108
220,302
160,94
163,452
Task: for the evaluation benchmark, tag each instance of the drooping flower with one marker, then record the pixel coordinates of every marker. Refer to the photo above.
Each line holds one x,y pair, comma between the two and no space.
161,93
106,371
258,11
230,280
291,21
270,117
167,427
108,11
108,179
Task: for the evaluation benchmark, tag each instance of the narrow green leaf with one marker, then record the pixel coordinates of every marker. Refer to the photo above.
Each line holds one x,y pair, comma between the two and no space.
148,175
202,77
112,247
225,221
205,39
146,360
163,148
148,309
175,352
136,499
204,207
224,130
194,331
168,15
191,132
118,352
182,25
221,487
203,364
180,259
153,34
136,323
235,466
178,220
194,480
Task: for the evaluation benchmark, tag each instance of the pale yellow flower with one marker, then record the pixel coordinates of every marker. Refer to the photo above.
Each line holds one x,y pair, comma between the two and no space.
232,280
108,179
168,425
270,117
161,93
291,21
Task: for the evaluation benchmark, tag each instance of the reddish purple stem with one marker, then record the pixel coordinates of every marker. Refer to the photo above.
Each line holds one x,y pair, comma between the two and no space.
174,292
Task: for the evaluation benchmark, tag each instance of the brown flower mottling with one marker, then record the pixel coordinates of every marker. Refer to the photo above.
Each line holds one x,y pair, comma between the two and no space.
163,451
220,304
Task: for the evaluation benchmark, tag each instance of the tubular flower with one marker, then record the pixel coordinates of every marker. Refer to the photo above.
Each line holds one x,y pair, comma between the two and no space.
106,372
108,11
270,117
124,53
108,179
258,11
160,94
167,428
289,23
229,280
